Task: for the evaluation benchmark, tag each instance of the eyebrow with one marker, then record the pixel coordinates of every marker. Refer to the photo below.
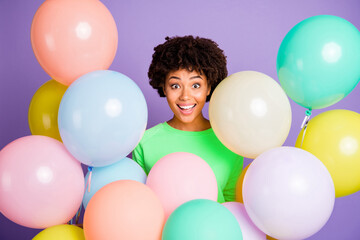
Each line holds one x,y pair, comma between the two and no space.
193,77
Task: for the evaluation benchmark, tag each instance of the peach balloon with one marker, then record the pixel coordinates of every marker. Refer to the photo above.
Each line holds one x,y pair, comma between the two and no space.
180,177
239,183
124,209
71,38
41,184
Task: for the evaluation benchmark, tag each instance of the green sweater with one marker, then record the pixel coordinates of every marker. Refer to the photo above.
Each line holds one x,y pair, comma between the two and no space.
163,139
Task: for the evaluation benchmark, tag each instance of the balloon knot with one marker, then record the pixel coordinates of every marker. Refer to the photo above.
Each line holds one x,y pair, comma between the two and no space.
307,118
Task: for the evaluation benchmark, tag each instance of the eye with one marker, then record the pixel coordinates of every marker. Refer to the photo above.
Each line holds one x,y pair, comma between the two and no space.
174,86
196,85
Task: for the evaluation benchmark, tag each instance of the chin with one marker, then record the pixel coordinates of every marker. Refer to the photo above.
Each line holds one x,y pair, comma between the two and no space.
187,120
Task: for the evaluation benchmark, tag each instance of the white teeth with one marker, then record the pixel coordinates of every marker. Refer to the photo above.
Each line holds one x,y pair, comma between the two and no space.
186,107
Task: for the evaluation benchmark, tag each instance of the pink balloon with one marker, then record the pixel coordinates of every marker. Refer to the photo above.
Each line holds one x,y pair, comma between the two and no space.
41,184
288,193
248,228
71,38
180,177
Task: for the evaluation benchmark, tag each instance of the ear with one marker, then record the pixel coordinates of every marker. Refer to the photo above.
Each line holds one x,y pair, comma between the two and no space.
208,92
163,88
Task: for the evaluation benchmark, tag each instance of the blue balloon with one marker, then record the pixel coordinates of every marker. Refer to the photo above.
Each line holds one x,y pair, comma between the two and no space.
125,169
102,117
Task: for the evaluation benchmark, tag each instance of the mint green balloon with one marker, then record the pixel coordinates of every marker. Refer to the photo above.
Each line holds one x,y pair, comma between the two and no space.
201,219
318,62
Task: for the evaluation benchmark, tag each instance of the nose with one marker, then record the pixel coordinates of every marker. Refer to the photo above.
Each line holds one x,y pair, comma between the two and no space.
185,94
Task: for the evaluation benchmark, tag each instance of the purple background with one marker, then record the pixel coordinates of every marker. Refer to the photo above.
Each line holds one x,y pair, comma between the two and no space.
250,33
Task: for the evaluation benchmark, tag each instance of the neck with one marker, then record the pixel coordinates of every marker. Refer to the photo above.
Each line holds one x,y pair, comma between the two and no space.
197,125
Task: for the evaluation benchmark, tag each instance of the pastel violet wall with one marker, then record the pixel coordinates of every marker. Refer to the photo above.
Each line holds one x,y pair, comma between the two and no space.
250,32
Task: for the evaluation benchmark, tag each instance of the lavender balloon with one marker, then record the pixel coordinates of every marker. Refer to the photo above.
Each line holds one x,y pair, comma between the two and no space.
288,193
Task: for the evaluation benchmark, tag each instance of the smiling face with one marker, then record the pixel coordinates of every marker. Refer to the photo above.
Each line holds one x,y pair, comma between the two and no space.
186,94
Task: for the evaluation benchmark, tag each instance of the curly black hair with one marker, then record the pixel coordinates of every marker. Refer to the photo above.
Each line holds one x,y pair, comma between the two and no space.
200,54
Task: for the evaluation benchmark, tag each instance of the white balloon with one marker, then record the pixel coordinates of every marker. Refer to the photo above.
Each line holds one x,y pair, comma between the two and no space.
250,113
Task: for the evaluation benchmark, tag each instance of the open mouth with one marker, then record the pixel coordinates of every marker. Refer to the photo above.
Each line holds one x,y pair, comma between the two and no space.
186,107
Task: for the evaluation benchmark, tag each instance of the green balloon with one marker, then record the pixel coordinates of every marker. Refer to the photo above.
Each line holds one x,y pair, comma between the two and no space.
201,219
318,62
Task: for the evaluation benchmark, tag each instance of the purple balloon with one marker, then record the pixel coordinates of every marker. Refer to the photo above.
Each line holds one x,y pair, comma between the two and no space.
288,193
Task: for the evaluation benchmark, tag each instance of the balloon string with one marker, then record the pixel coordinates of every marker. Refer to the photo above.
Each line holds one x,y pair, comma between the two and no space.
88,185
89,179
78,215
305,124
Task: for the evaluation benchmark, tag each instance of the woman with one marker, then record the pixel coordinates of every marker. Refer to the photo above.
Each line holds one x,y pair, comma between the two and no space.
186,71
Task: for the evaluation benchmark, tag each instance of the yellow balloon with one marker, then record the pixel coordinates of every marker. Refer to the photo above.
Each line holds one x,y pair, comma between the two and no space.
43,109
334,138
61,232
239,185
270,238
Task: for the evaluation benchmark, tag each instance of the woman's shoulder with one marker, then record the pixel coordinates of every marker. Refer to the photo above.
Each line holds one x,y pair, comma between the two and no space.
151,132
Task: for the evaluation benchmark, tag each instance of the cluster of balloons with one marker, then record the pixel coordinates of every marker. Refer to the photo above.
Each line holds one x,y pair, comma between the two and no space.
98,116
318,65
84,114
87,114
125,206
